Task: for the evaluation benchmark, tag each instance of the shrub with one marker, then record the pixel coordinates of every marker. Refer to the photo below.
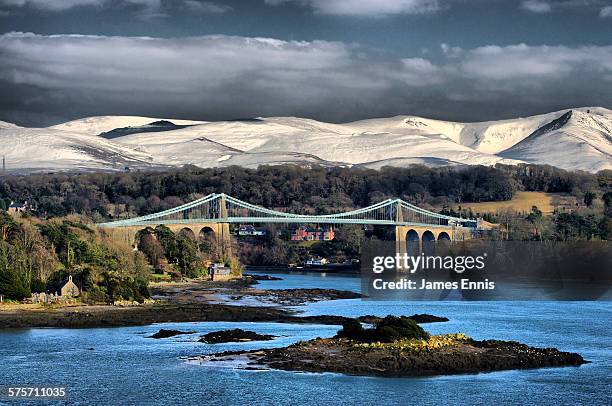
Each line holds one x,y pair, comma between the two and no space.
393,328
387,330
352,329
95,295
13,285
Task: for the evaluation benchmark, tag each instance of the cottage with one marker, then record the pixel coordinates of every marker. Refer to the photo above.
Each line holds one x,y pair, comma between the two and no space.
251,230
316,262
312,234
70,289
18,208
219,272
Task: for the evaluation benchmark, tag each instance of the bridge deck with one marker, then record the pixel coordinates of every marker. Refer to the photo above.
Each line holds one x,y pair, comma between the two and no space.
249,220
220,208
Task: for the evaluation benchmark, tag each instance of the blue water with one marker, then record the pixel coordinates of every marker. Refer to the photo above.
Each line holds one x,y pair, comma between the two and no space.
125,367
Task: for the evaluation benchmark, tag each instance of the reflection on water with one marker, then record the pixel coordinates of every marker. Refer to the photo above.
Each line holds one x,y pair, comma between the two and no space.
122,366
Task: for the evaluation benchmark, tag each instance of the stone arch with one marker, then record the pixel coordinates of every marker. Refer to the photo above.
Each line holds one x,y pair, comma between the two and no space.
429,242
208,241
139,235
443,244
413,243
412,235
206,231
187,232
443,236
428,236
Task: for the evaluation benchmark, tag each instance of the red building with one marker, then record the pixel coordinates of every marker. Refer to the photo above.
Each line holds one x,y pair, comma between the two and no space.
312,234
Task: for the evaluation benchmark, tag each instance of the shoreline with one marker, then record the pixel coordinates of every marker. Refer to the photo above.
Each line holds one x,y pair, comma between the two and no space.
113,316
339,269
189,301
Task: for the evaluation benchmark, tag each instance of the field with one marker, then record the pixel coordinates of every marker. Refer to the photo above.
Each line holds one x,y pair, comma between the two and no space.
523,201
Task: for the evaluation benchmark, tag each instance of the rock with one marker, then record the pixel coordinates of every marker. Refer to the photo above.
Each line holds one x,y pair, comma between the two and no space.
465,356
235,335
419,318
169,333
427,318
262,277
409,351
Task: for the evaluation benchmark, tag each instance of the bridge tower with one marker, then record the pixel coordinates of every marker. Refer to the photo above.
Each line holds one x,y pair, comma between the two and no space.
400,232
224,238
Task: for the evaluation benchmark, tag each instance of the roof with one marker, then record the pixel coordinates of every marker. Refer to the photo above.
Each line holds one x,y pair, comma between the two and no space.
314,230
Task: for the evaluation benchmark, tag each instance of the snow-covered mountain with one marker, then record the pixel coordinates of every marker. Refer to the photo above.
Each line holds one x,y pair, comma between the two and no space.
102,124
579,138
48,150
5,125
576,139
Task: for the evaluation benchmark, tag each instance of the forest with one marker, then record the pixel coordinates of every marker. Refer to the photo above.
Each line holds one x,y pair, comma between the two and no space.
39,249
104,196
38,255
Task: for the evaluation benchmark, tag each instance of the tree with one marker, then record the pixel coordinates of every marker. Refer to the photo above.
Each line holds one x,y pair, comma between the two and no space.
151,248
14,279
187,258
605,228
536,218
13,285
588,198
168,240
607,199
347,239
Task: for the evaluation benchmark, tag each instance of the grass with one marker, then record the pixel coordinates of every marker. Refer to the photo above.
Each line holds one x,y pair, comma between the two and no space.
413,344
306,243
522,202
160,277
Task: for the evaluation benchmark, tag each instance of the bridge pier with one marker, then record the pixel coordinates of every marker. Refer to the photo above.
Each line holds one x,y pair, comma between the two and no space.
419,234
221,231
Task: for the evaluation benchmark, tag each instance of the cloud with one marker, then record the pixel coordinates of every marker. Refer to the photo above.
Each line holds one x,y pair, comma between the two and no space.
605,12
374,8
543,63
51,5
58,77
148,9
548,6
205,7
536,6
144,9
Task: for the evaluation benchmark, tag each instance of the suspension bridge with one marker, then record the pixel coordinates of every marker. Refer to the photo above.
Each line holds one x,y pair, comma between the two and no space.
215,212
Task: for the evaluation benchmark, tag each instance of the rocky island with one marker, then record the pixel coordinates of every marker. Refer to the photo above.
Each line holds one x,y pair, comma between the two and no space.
397,346
235,335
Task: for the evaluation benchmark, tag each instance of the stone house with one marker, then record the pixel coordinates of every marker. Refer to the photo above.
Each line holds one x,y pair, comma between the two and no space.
219,272
70,289
18,207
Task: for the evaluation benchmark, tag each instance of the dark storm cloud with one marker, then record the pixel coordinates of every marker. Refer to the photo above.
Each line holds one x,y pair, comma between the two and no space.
57,77
366,7
147,9
550,6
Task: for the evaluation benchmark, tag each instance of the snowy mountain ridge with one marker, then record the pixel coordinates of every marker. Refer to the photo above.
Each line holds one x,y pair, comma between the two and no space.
575,139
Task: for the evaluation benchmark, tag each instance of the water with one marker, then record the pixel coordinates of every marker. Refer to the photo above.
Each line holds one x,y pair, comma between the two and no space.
125,367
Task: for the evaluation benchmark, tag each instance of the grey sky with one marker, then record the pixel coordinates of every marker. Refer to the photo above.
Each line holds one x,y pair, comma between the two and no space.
334,60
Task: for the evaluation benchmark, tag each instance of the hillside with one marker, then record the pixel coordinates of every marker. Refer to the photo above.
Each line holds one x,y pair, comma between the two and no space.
100,124
576,139
47,149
